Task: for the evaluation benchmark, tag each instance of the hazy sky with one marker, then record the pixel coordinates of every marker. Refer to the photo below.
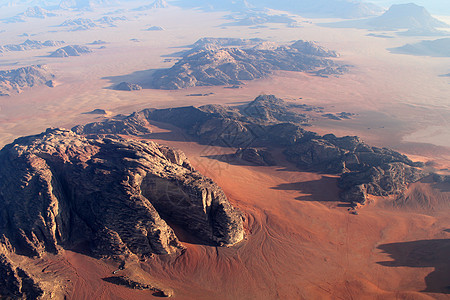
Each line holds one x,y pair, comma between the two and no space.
438,7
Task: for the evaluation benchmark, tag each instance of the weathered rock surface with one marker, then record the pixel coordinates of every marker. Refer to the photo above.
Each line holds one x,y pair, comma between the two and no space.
382,180
71,50
135,124
255,156
13,81
270,122
15,283
109,195
216,63
126,86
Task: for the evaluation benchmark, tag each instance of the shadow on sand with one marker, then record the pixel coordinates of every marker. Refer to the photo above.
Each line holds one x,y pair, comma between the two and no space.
142,78
324,189
423,254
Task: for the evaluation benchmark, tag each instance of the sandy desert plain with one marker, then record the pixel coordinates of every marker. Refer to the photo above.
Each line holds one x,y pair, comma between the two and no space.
301,242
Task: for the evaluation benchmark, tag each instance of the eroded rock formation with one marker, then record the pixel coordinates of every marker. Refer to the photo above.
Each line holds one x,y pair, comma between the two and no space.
14,81
109,195
271,122
231,61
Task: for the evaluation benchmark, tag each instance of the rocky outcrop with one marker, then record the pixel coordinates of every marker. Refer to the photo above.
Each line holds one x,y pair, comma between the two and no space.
14,81
71,50
30,44
15,283
337,155
126,86
97,111
135,124
255,156
312,48
382,180
216,64
271,122
108,195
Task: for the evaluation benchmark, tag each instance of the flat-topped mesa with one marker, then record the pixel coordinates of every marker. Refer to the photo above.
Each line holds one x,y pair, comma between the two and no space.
108,195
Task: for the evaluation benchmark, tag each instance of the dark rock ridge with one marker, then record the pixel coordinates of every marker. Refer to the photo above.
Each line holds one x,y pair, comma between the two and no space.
13,81
270,122
71,50
97,111
15,283
30,44
255,156
135,124
108,195
126,86
216,63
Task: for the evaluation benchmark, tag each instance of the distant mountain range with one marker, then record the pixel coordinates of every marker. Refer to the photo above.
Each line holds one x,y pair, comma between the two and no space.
402,16
314,8
83,4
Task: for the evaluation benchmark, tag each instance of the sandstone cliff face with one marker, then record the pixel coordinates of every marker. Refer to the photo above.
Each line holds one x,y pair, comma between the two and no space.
108,195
